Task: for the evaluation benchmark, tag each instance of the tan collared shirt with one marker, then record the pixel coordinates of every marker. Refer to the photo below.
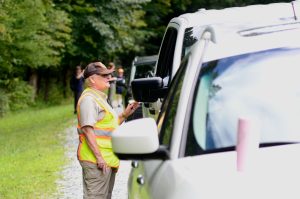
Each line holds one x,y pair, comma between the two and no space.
90,111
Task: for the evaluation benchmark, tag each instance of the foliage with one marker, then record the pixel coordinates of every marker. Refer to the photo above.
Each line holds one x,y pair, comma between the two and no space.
33,34
15,95
4,103
54,96
105,28
20,94
157,17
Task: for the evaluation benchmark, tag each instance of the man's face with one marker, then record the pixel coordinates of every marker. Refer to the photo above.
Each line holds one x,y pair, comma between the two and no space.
120,74
101,82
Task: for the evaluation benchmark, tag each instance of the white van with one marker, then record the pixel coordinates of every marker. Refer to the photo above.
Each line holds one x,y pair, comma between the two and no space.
183,31
240,78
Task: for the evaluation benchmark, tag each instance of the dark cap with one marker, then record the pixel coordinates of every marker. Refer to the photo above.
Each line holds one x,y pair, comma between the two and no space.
97,68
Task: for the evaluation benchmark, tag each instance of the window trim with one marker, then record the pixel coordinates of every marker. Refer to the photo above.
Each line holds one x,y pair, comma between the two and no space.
174,83
188,114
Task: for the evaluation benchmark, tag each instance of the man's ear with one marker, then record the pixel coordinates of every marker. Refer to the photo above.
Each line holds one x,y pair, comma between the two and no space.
91,79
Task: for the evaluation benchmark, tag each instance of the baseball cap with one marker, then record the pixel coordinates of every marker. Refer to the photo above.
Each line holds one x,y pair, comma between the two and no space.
97,68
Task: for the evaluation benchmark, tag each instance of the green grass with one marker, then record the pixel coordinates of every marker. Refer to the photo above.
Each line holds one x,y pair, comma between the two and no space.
31,151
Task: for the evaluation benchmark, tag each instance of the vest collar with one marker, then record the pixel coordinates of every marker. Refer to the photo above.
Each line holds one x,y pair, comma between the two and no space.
101,94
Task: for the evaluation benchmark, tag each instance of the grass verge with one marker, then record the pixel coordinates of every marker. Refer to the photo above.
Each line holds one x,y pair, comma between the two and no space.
31,151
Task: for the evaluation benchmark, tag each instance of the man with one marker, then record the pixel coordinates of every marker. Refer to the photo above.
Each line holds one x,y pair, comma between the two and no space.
112,87
96,122
76,84
120,86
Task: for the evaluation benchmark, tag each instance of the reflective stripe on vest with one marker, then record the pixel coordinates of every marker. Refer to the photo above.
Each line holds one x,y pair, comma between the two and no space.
102,129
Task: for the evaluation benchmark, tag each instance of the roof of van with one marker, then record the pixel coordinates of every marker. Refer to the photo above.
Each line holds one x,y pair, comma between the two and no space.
231,46
242,25
249,14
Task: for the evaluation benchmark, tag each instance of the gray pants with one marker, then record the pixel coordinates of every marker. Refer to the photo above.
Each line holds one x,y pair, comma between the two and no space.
96,184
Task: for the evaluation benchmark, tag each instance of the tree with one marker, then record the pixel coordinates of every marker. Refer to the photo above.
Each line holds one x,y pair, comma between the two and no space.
156,18
102,29
33,34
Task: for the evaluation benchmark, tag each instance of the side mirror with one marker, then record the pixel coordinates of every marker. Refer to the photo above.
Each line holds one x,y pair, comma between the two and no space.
148,89
138,139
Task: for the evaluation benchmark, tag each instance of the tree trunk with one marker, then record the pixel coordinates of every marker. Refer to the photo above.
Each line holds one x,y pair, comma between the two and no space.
64,80
33,81
47,86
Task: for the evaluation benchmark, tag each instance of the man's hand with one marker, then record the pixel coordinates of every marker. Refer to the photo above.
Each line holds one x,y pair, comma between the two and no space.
102,165
91,141
128,111
131,108
112,79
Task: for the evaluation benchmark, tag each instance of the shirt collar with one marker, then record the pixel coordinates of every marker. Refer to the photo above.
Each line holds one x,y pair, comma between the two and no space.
102,94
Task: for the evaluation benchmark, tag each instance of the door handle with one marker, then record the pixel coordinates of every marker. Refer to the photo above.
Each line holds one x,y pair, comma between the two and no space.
135,164
140,179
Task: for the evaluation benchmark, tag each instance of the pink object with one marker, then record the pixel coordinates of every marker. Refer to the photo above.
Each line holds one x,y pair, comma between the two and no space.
247,143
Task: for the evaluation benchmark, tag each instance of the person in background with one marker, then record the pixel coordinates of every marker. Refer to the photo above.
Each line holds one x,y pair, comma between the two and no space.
111,90
96,122
77,84
120,86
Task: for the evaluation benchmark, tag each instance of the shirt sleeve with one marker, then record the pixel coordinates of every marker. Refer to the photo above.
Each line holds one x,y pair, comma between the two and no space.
88,112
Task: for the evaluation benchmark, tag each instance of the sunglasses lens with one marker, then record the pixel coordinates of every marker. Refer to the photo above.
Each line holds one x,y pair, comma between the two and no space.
106,75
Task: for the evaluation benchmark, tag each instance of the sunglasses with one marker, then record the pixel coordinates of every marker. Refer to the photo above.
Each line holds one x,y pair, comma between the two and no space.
104,75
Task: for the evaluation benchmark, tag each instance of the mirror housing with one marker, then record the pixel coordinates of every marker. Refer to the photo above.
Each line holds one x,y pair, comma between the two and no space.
148,89
136,137
137,140
162,153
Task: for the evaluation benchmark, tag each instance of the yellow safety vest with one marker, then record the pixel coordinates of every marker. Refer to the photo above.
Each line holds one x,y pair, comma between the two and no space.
102,129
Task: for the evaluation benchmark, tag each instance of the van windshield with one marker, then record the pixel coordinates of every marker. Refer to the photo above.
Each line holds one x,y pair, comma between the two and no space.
264,86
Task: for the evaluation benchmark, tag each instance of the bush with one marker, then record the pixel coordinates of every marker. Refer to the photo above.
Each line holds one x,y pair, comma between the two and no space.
4,102
21,94
55,95
15,95
52,94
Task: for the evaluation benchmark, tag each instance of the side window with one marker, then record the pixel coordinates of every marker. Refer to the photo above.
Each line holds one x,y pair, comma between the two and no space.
166,55
168,112
198,142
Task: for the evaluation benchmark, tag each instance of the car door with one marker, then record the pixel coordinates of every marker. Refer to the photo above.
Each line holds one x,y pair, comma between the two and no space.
143,182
